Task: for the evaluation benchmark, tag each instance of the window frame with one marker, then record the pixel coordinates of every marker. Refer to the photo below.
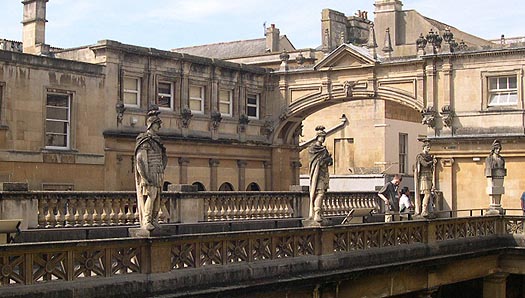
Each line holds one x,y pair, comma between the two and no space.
403,153
171,95
201,99
485,90
137,92
501,91
257,105
68,122
229,102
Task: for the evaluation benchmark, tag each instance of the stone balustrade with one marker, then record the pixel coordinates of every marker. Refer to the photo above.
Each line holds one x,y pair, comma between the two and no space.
340,203
82,260
58,209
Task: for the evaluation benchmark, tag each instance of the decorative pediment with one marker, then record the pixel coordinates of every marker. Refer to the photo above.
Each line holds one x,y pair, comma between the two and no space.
347,56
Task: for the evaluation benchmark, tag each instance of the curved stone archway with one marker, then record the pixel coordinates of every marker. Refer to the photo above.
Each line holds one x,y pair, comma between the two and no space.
290,120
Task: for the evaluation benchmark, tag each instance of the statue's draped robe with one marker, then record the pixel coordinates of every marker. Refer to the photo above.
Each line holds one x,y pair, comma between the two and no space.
150,162
319,161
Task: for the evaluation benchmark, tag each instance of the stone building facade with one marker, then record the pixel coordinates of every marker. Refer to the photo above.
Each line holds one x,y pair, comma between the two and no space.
70,116
239,121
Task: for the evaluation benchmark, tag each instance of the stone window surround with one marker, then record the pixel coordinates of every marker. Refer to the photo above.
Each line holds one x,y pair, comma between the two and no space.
71,120
485,95
138,92
171,95
229,103
202,99
257,105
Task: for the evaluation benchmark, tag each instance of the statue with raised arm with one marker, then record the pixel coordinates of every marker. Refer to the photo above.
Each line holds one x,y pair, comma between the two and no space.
424,180
320,160
495,172
150,162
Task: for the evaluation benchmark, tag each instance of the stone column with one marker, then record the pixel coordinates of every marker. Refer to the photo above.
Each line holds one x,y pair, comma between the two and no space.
214,164
241,164
494,286
295,172
183,170
267,175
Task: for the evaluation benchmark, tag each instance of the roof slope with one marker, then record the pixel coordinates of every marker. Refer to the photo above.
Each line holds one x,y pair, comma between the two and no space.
234,49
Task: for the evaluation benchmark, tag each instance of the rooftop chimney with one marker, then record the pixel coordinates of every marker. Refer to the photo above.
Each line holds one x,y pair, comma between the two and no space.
34,22
272,39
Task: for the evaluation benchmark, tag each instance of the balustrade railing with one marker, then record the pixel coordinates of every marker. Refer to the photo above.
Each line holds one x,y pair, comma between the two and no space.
340,203
89,209
25,264
250,205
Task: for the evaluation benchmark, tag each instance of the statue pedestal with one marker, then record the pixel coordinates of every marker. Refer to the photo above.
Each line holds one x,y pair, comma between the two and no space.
495,189
144,233
314,223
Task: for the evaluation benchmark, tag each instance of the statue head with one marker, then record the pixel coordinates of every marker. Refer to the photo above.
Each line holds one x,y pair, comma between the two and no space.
426,146
153,117
321,134
496,147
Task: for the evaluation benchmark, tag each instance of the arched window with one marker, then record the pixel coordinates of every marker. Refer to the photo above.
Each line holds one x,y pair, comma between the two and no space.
200,186
253,187
226,187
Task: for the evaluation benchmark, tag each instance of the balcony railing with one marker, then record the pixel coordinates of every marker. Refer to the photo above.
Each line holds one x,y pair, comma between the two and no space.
52,209
28,264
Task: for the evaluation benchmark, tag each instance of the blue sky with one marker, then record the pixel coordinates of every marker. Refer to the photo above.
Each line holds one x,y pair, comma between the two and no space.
166,24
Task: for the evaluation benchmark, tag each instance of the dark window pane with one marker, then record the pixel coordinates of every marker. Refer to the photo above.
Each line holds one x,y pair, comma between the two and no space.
512,82
56,127
164,88
56,140
252,111
58,100
57,113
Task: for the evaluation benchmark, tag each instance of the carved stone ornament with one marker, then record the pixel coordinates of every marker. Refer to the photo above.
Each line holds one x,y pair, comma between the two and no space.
300,59
216,119
243,122
429,116
120,112
186,115
447,114
267,128
348,86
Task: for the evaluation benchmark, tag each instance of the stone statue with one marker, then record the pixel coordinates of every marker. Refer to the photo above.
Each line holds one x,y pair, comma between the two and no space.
150,162
320,159
424,180
495,172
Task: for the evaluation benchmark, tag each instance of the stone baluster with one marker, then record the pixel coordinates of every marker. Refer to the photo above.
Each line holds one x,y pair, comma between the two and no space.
135,213
96,211
289,208
272,206
253,207
207,207
264,207
121,216
69,204
79,211
87,216
259,210
59,217
113,211
129,210
227,202
238,208
42,205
